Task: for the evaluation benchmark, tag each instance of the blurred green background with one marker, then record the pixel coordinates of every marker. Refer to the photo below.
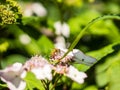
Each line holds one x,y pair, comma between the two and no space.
36,35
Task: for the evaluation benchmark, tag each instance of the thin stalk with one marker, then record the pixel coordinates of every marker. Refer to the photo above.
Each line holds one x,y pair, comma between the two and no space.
0,63
48,85
44,84
47,88
85,28
56,82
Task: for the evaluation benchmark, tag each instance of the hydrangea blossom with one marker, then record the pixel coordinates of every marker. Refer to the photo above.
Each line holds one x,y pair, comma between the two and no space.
75,56
63,66
40,67
71,72
61,69
13,77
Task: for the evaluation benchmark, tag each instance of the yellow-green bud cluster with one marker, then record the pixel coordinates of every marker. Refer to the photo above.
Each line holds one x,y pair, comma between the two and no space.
10,12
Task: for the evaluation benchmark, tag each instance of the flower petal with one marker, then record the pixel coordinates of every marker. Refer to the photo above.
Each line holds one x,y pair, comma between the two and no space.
43,72
12,77
75,75
40,67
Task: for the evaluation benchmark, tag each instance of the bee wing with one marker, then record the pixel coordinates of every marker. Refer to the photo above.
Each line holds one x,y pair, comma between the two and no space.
81,58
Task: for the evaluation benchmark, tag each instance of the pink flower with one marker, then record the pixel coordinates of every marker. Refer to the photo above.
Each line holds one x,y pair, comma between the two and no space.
40,67
57,54
75,75
70,72
12,76
62,65
60,69
73,56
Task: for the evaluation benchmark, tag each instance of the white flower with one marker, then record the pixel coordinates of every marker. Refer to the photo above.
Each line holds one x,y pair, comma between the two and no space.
60,42
39,9
40,67
43,72
75,75
24,39
12,76
35,8
27,10
62,28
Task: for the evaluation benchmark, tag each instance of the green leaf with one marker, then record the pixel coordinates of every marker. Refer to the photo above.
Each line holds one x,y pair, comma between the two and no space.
76,23
32,82
76,86
99,54
105,28
114,75
102,79
30,20
79,36
32,48
4,46
45,45
9,60
93,87
107,72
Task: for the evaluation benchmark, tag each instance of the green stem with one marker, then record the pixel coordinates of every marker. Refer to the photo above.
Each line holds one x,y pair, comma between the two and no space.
85,28
47,88
0,64
44,84
55,82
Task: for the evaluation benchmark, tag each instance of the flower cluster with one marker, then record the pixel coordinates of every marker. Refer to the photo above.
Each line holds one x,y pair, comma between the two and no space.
62,65
62,31
40,67
10,12
14,75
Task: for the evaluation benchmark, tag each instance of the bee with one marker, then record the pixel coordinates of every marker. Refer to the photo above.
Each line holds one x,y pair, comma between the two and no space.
75,56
